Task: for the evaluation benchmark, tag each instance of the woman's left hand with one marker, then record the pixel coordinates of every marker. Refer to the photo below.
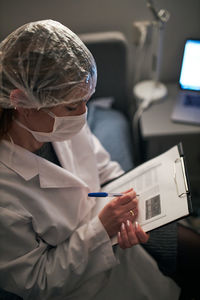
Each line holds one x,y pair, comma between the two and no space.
131,234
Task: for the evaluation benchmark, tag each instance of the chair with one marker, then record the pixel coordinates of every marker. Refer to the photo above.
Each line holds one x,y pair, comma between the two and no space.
4,295
110,109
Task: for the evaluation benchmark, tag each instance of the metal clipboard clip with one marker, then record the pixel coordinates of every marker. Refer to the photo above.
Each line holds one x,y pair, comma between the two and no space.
180,177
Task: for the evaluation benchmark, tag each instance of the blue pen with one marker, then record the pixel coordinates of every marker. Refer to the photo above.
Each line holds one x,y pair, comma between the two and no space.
103,194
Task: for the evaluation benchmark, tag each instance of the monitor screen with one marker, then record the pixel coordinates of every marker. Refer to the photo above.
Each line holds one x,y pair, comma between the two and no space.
190,68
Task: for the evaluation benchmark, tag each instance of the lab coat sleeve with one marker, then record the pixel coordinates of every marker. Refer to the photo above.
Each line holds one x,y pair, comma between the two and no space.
107,168
33,269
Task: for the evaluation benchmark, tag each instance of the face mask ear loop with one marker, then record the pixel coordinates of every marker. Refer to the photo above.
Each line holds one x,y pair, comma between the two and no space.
50,113
12,148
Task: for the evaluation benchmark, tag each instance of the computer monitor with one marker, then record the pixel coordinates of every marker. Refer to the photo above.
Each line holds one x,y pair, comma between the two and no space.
190,69
187,106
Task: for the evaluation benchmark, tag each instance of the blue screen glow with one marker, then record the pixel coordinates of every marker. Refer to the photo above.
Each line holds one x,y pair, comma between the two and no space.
190,69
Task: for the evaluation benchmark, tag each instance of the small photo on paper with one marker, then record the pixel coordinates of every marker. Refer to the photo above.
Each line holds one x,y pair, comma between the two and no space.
153,207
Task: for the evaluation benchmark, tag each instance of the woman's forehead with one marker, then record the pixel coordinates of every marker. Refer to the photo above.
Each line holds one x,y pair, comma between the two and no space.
79,93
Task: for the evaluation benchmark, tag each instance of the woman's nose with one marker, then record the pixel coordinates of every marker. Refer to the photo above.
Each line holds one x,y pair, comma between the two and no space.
82,107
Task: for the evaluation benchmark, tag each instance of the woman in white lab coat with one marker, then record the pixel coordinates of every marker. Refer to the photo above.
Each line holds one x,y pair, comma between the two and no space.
52,246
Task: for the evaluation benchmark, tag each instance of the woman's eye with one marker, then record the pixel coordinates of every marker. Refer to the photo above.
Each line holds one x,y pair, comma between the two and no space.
70,108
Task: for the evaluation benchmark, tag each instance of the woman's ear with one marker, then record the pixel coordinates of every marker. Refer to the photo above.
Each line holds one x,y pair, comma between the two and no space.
16,97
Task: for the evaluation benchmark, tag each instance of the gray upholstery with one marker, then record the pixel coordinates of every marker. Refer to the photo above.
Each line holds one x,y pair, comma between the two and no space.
110,50
113,126
8,296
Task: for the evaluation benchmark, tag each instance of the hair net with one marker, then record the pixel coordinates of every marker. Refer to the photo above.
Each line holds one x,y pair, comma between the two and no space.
48,63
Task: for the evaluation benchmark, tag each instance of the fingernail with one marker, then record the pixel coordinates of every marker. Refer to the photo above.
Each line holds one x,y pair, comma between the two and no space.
119,235
123,226
136,224
128,223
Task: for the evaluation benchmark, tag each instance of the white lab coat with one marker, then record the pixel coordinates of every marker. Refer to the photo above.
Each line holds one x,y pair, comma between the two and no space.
51,245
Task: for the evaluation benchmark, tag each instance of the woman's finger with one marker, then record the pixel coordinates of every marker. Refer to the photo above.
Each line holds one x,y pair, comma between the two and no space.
132,237
132,213
124,241
126,198
119,239
127,191
131,204
141,235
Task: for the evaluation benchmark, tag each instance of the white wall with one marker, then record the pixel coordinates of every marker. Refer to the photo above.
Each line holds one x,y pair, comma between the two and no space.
103,15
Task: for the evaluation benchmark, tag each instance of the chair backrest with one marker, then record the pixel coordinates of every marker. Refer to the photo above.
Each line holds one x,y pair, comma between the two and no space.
110,50
4,295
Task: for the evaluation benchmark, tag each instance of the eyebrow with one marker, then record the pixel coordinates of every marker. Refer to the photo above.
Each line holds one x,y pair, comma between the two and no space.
76,103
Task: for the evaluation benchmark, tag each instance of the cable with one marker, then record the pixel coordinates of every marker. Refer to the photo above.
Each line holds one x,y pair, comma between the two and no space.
136,127
144,104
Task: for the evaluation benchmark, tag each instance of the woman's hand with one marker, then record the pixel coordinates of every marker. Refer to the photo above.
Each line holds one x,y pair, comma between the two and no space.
118,211
131,234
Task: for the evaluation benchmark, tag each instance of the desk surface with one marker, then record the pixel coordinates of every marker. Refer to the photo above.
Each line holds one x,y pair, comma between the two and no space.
156,121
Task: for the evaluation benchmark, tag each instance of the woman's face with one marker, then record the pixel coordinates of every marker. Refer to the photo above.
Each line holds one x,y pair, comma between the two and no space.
72,109
39,120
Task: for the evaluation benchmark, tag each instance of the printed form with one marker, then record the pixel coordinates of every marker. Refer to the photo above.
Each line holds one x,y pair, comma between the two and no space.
162,187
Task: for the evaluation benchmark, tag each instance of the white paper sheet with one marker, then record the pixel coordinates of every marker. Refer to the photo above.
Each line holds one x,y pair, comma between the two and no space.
162,188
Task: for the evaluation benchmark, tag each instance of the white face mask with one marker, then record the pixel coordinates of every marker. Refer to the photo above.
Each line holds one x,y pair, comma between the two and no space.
63,129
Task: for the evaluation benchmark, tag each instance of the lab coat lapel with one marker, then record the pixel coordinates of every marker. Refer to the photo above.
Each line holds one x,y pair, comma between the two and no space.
28,165
77,156
53,176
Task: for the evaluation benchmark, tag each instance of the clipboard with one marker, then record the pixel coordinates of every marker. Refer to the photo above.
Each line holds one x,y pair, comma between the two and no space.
181,177
163,186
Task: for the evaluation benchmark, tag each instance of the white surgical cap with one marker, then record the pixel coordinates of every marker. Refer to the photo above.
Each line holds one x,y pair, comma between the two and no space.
48,63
